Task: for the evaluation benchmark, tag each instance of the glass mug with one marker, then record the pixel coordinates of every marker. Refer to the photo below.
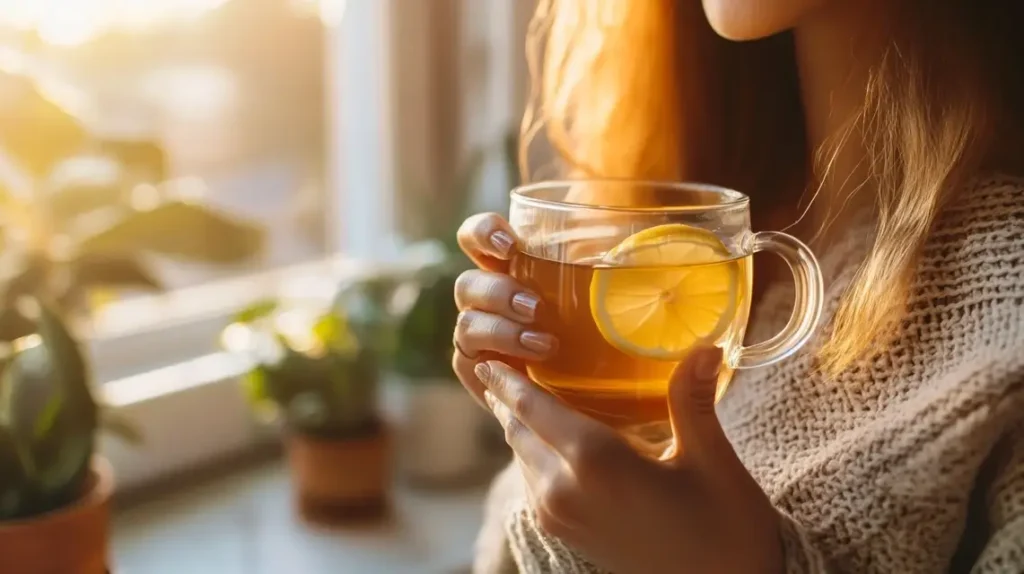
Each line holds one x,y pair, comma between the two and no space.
632,275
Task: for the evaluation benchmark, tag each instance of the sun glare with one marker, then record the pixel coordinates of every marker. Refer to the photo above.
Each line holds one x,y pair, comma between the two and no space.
73,22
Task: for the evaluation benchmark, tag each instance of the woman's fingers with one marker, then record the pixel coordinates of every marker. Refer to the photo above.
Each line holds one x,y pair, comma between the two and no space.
463,367
488,240
477,331
533,452
585,444
495,293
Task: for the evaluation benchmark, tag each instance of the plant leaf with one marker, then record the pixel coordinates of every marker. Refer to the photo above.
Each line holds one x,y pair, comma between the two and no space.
256,311
82,184
179,229
424,339
48,417
23,273
12,477
35,129
144,160
14,325
111,271
63,454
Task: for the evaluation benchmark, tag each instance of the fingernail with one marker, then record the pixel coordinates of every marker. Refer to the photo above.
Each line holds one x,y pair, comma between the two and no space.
707,363
537,342
525,304
502,241
482,371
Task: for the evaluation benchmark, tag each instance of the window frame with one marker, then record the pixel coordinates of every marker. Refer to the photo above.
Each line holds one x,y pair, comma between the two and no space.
189,407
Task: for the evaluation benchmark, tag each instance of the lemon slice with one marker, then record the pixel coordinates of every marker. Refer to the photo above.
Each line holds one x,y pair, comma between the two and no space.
663,290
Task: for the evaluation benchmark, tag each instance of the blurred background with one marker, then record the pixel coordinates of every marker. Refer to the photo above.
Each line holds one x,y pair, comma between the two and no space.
166,164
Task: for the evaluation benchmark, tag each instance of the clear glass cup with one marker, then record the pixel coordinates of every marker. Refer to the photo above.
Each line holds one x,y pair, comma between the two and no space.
632,275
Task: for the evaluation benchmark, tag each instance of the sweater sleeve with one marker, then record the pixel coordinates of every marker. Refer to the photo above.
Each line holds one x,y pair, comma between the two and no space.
800,555
1003,550
1002,546
492,554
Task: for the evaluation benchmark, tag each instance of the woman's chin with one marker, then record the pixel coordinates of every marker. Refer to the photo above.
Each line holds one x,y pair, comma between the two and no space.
743,20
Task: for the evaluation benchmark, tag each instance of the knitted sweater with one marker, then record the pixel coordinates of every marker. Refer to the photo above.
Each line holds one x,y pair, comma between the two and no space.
912,460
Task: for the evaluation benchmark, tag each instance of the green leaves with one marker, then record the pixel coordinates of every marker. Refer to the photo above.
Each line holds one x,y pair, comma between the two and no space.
323,381
35,128
81,185
67,283
178,229
78,212
256,311
48,419
14,325
425,336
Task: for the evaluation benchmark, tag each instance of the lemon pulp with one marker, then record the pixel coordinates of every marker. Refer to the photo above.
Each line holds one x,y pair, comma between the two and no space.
663,290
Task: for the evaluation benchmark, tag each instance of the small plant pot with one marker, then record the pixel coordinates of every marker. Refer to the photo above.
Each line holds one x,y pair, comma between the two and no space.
71,540
440,434
341,480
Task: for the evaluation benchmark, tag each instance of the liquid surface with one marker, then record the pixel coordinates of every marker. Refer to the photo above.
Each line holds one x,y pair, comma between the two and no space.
624,391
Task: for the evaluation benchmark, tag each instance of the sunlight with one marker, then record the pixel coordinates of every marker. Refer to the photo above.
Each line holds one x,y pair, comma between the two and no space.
330,12
74,22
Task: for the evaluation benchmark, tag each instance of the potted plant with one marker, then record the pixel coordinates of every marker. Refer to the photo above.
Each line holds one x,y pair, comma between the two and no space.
313,372
440,422
79,215
54,489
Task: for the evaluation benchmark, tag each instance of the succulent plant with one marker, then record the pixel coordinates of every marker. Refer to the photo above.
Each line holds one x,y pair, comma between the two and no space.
48,418
80,213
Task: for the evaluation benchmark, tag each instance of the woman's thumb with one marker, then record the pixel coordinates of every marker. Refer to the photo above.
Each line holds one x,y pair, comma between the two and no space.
692,391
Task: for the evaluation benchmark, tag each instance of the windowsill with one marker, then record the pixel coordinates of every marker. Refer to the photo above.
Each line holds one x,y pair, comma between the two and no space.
244,523
156,359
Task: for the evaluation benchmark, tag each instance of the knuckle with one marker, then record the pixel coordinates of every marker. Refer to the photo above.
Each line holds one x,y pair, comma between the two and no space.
520,403
480,331
464,284
497,288
490,327
591,454
463,322
513,432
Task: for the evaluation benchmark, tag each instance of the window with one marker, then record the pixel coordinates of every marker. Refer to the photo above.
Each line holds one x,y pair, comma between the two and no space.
315,118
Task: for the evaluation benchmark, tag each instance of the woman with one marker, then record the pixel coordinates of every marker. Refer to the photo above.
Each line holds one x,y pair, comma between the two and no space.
894,441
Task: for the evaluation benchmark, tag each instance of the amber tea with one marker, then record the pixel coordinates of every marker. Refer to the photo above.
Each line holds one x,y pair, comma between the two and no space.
635,274
590,373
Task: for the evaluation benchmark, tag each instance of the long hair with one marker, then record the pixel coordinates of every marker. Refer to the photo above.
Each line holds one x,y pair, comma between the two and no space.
630,89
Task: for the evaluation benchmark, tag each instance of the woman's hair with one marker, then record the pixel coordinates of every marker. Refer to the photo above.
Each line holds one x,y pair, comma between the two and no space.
645,89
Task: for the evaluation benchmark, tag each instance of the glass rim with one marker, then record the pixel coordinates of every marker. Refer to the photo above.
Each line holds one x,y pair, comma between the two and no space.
732,199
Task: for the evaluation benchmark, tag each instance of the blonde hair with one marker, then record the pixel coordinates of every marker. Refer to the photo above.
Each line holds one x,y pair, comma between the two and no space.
630,89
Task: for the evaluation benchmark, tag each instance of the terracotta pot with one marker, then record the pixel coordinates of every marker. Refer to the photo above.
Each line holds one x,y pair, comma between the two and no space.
336,480
72,540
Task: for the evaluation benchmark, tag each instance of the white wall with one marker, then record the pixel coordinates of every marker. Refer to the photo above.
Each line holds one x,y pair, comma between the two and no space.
456,79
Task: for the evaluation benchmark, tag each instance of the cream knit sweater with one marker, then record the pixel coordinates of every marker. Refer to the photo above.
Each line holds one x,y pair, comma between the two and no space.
910,461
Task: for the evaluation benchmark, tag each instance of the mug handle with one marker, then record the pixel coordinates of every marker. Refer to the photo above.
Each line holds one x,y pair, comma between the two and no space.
806,307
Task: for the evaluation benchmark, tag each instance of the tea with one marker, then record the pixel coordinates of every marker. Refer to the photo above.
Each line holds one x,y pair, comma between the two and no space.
591,374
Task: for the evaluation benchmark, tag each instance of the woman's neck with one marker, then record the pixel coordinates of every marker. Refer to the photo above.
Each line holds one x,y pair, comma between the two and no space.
835,48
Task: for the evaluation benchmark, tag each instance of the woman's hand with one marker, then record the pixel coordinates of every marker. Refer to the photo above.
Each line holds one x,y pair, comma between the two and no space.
496,311
697,511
